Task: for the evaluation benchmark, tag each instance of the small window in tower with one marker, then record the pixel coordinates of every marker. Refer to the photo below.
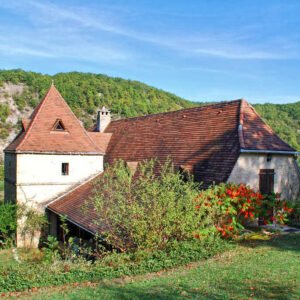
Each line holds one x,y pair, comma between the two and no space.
65,169
59,126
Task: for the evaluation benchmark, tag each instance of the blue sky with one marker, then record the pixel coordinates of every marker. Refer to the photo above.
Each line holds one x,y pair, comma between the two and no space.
202,50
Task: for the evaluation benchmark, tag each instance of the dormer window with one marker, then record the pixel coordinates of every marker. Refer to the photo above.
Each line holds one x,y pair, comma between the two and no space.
59,126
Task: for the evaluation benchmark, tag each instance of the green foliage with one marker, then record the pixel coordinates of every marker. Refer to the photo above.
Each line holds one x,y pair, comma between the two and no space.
4,112
8,224
33,221
284,119
28,275
147,211
232,206
254,270
51,251
85,92
4,128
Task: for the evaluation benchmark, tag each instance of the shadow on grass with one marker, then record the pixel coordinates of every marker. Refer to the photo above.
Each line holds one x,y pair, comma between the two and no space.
288,242
169,291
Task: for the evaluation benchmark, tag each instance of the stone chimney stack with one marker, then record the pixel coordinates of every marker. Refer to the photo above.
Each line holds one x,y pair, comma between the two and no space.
103,119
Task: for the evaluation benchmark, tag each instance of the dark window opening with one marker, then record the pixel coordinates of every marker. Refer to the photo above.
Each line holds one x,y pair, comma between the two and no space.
59,126
65,169
266,181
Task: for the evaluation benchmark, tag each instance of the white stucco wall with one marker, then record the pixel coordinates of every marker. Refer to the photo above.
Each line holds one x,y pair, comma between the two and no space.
36,179
286,179
39,177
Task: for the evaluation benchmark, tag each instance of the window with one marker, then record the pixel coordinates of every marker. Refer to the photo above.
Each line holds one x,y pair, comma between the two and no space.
266,181
65,169
59,126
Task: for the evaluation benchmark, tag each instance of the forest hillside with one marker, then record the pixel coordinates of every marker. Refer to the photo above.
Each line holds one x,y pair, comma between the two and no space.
20,91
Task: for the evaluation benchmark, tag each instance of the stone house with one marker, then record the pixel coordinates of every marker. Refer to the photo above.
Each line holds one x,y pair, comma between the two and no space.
53,162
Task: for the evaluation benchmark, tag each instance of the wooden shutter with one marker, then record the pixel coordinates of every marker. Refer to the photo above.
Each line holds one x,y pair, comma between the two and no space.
266,181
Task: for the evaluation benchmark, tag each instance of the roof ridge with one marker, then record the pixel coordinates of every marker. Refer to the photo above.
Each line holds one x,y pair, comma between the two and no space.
201,107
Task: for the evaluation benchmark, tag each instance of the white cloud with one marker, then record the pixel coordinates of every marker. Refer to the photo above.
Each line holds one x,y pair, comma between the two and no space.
101,33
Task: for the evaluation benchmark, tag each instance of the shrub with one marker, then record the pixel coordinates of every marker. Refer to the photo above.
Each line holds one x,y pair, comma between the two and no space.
32,221
4,112
31,275
8,224
274,209
294,218
233,205
147,211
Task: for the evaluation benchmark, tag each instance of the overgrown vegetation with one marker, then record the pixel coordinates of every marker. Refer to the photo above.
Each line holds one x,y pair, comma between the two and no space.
147,212
4,128
8,224
253,270
85,92
29,274
233,206
284,119
32,222
152,222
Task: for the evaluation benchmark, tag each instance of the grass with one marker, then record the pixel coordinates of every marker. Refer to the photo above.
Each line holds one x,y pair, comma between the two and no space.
6,258
253,270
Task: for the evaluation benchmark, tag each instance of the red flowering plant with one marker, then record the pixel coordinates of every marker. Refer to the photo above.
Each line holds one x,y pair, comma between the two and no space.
232,206
274,209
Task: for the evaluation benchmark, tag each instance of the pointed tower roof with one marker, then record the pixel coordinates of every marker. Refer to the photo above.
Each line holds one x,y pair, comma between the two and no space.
53,128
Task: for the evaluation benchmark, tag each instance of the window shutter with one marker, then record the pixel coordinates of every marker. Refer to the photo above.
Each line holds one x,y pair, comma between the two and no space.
266,181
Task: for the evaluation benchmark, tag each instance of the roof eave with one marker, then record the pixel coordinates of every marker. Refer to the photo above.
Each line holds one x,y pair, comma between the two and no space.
53,152
282,152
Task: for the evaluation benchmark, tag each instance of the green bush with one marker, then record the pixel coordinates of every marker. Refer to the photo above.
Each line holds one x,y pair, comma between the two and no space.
4,133
8,224
28,275
4,112
147,211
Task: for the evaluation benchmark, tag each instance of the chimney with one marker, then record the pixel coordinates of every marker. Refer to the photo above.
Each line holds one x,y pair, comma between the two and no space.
103,119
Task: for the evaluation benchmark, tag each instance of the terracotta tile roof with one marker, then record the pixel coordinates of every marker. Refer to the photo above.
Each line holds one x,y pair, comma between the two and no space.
38,134
76,207
257,135
206,138
101,139
206,141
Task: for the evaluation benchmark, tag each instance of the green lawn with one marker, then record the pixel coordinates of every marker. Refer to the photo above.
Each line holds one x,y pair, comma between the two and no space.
253,270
